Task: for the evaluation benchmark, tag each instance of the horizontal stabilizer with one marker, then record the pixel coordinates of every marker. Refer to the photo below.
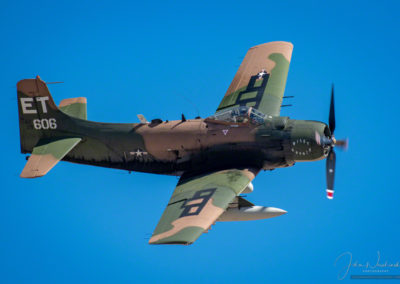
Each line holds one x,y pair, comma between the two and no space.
46,155
75,107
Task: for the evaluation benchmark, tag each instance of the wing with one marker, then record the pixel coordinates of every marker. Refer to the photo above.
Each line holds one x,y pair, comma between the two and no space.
46,155
261,78
196,204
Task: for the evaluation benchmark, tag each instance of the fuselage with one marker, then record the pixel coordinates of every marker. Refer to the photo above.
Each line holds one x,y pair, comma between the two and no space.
174,147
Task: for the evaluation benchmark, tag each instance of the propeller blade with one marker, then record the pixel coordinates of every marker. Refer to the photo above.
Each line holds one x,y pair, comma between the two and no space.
332,120
330,173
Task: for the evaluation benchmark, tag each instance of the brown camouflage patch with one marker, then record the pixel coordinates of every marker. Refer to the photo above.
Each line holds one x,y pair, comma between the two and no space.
36,88
67,102
257,59
38,165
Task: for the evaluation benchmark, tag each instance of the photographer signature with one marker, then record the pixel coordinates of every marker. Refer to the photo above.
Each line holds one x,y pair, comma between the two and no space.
378,266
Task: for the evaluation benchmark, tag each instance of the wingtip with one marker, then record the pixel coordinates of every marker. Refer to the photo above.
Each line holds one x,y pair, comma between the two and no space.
282,43
329,194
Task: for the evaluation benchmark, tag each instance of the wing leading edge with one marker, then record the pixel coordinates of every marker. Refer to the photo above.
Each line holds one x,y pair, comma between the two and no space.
196,204
261,78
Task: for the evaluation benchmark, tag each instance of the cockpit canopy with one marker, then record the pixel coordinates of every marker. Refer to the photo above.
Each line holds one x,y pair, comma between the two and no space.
241,114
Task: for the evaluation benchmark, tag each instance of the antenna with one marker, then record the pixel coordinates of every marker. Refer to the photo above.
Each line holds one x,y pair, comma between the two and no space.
287,97
190,102
49,83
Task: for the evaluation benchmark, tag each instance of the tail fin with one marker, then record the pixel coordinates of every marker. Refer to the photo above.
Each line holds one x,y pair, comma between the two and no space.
43,126
39,117
38,114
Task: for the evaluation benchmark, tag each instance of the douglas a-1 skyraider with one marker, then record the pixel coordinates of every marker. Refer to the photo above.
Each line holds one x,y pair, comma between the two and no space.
216,158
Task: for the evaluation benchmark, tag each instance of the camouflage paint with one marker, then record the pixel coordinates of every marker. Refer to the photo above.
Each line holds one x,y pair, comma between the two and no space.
75,107
201,150
261,78
213,192
46,155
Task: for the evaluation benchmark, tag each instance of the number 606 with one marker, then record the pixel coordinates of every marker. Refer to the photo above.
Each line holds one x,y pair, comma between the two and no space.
45,123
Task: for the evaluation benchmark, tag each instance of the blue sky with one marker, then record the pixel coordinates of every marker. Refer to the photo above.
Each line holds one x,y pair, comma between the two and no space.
90,225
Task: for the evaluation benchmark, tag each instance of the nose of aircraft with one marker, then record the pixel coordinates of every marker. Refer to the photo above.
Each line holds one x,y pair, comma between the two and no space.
306,141
324,142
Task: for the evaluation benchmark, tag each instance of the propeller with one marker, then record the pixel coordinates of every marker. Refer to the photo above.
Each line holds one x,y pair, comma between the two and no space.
332,142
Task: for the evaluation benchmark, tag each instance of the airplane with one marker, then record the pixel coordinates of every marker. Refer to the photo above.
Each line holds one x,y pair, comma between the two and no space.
216,158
